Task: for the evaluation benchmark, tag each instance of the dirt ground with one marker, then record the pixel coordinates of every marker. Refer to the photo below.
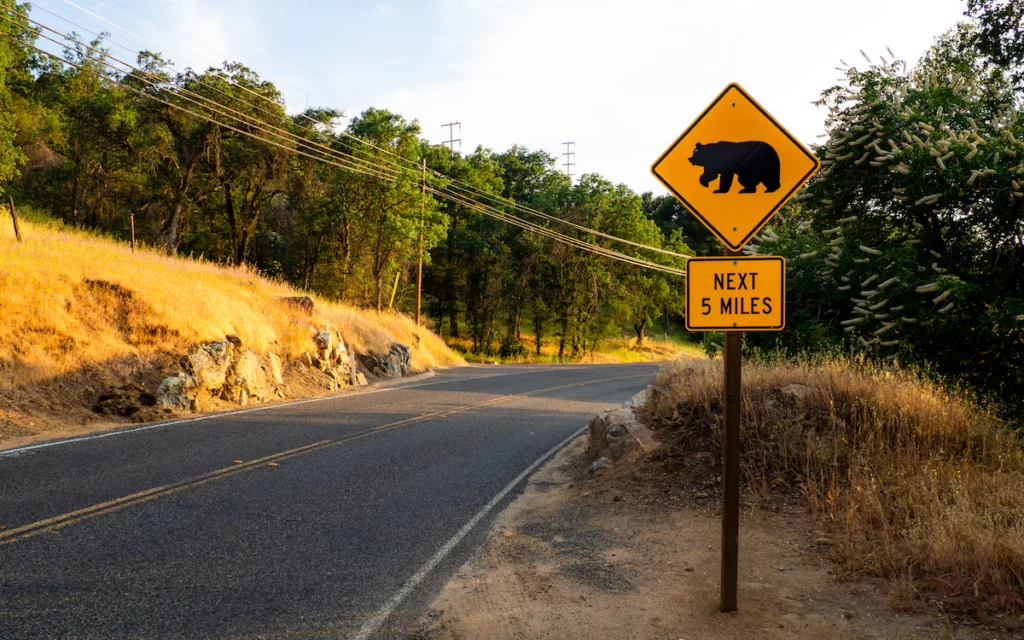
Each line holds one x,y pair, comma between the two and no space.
575,557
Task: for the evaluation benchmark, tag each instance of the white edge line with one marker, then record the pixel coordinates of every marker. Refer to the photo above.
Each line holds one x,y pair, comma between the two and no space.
374,622
13,453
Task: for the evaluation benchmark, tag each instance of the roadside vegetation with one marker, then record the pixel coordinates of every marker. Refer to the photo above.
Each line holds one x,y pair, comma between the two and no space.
622,348
84,144
82,314
910,481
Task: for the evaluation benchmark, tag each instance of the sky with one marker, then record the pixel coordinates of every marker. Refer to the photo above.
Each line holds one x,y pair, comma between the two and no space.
620,79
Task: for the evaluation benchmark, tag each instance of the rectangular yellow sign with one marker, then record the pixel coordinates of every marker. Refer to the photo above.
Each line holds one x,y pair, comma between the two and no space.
736,293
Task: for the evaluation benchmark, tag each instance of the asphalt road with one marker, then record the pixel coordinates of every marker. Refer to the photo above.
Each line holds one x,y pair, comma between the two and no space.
331,518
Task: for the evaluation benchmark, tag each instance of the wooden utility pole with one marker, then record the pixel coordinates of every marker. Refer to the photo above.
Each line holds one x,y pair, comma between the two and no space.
131,221
14,218
731,465
394,289
419,268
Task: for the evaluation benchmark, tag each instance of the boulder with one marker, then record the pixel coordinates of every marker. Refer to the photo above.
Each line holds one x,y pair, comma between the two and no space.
209,365
393,364
221,370
612,435
276,368
795,392
176,393
302,303
606,429
323,340
330,351
247,379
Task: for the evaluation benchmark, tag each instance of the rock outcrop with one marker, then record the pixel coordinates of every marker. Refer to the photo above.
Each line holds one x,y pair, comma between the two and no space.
393,364
332,358
222,369
302,303
614,435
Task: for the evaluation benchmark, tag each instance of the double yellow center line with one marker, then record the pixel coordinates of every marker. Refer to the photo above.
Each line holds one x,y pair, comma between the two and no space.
54,524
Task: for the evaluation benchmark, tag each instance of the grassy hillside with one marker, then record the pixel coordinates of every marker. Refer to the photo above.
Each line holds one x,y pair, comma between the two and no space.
910,481
80,313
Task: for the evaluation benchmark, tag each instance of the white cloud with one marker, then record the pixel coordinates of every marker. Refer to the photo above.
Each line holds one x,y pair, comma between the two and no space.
623,80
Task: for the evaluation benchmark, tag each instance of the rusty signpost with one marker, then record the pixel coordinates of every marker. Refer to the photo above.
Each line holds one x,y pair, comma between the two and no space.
734,140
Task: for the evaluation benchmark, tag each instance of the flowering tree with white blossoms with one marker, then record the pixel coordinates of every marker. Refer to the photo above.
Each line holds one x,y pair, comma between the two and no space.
909,243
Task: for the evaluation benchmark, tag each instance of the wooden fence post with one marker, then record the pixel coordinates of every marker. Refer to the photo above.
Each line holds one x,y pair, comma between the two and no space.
131,218
14,218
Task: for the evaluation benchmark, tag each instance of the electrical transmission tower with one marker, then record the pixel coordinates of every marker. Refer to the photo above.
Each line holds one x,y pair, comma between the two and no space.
569,153
451,139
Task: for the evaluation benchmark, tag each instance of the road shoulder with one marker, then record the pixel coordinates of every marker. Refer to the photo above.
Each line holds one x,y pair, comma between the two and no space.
574,557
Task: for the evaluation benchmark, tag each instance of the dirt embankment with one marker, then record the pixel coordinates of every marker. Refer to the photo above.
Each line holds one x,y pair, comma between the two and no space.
91,328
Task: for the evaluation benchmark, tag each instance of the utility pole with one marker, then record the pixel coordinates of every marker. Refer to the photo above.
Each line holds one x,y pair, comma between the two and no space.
569,153
451,139
419,268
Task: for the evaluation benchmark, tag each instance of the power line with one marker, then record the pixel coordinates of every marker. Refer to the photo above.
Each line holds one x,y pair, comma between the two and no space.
479,192
451,140
415,168
206,101
376,170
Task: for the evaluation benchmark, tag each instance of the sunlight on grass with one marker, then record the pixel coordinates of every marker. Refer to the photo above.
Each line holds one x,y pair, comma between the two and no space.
609,350
69,299
911,481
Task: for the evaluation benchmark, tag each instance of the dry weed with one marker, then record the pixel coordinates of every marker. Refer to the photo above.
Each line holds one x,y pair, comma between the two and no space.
70,300
911,481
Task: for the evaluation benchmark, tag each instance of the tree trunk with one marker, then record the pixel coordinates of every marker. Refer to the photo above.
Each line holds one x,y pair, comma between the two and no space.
174,224
379,284
538,328
565,330
229,212
640,327
453,319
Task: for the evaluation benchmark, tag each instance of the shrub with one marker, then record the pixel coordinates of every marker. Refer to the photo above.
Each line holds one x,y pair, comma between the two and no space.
512,349
911,481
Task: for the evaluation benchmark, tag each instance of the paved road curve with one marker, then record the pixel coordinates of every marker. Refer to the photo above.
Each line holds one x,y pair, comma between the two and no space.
342,518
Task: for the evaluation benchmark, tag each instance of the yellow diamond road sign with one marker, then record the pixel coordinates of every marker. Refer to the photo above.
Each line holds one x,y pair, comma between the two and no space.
734,167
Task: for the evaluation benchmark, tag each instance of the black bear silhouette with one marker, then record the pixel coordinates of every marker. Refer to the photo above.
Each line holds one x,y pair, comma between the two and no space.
753,162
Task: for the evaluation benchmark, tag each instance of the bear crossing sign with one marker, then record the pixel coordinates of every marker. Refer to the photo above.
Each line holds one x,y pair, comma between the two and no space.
735,141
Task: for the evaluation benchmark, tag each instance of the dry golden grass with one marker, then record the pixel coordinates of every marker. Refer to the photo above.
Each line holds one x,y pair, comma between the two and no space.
911,482
70,300
609,350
